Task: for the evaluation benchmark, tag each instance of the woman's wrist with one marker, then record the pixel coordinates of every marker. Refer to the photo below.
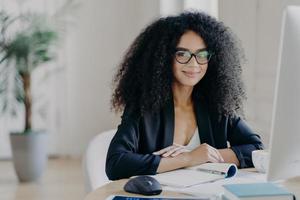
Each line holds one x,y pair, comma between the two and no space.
187,159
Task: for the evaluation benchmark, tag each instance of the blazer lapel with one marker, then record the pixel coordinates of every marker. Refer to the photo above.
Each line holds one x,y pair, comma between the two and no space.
168,114
203,122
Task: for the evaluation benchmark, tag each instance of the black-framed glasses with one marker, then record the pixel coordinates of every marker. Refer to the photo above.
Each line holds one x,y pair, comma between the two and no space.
202,56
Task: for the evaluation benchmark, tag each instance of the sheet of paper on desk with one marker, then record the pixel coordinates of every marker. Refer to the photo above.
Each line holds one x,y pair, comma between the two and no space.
216,187
204,173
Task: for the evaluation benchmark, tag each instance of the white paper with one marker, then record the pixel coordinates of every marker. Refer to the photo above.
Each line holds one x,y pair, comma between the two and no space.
217,188
192,176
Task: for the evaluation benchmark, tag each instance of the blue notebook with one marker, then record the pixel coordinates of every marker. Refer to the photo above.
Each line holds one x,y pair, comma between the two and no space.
256,191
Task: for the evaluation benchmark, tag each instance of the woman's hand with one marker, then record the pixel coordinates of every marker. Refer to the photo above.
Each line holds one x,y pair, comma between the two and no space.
171,151
202,154
205,153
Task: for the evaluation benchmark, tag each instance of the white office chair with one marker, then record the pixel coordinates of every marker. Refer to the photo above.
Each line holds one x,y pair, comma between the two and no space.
94,160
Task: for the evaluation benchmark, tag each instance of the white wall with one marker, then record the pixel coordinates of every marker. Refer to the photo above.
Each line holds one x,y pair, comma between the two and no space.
173,7
235,14
103,32
257,23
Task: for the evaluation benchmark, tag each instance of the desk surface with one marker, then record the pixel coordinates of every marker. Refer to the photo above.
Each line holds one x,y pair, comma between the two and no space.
116,188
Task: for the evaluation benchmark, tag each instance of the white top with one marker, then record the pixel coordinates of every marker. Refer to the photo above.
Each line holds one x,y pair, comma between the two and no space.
194,142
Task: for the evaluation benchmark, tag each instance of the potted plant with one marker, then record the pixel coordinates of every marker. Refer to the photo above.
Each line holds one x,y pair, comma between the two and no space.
26,42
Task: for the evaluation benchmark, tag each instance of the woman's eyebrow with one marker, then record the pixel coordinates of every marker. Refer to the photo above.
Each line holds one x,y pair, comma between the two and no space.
185,49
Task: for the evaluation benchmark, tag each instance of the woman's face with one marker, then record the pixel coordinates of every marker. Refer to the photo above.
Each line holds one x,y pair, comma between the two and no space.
190,59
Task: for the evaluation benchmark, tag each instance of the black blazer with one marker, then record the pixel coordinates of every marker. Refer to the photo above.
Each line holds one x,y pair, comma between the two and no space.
137,137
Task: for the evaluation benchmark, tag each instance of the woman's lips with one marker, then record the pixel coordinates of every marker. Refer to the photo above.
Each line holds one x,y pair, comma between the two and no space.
191,74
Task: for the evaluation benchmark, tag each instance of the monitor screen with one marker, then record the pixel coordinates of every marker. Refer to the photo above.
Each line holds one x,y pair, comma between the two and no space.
285,129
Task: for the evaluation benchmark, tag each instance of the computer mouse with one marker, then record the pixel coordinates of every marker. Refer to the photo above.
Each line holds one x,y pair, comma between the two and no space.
145,185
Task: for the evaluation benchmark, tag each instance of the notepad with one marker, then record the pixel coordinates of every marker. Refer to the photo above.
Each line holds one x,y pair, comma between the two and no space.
191,176
256,191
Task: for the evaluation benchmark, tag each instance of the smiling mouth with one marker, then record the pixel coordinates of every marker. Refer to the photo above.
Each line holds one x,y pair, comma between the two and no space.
191,74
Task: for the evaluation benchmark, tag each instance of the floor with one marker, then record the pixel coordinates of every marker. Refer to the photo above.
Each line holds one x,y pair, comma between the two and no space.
62,180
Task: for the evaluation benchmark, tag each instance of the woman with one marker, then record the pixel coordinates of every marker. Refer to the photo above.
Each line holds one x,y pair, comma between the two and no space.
181,89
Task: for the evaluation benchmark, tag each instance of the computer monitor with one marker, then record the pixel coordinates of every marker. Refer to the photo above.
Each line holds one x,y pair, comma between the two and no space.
285,130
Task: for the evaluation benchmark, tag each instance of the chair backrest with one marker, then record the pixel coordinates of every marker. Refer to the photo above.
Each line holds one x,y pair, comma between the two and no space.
94,160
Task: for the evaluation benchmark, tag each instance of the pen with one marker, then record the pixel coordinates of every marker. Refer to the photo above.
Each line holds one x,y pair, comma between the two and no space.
211,171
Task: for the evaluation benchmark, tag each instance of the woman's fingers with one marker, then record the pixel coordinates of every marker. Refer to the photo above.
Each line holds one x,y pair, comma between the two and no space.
178,145
205,153
176,148
173,150
162,151
214,155
180,151
165,150
221,159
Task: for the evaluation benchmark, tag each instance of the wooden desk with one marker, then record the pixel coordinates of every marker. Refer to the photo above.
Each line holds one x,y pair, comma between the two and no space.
116,188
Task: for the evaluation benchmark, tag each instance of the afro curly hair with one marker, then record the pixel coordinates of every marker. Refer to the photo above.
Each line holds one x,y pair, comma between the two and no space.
144,77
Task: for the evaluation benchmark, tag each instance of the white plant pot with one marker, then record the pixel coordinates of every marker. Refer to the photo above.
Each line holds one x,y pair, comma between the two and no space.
29,154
